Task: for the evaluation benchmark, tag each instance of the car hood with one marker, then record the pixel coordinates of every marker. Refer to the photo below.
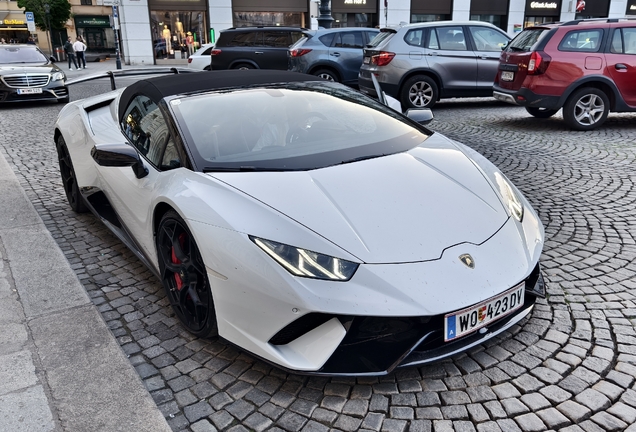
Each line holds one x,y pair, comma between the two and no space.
406,207
27,68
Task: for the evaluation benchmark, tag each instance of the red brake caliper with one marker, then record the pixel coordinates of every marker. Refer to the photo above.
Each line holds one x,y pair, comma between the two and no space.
175,260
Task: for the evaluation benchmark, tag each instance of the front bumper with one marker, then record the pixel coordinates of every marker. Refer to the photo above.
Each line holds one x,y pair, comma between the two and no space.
49,93
378,345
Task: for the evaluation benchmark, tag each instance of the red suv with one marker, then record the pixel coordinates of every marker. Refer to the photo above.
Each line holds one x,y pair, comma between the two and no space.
586,67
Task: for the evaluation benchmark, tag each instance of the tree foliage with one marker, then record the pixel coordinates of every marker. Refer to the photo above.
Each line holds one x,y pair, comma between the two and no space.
60,12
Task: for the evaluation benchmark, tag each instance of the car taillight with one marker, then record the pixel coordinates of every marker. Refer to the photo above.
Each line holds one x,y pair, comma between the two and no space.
299,52
382,59
538,63
215,51
189,59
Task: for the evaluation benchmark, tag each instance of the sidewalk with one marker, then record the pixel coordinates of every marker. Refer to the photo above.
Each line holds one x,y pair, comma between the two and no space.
60,367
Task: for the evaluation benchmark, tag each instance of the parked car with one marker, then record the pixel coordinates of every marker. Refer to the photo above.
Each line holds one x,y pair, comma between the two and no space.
585,67
332,54
201,58
295,218
255,47
26,74
160,48
418,64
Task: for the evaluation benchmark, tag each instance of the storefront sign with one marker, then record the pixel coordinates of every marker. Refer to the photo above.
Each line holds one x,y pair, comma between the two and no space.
8,22
631,7
92,21
354,6
543,8
543,5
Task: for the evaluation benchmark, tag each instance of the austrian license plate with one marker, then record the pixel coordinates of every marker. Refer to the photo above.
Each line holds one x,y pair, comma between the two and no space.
366,60
507,76
29,91
460,323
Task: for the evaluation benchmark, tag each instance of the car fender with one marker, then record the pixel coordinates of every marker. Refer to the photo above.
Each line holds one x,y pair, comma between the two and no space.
239,61
617,103
421,71
325,64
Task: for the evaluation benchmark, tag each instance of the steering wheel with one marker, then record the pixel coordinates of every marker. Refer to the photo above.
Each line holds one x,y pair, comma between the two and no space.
301,129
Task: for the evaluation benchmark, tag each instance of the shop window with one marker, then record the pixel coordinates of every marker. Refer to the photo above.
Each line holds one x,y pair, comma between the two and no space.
496,20
531,21
86,2
416,18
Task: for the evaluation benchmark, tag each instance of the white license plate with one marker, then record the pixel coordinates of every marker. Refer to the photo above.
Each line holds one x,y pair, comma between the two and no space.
460,323
507,76
366,60
29,91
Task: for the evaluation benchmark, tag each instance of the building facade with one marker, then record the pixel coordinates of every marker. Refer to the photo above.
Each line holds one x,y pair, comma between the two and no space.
167,31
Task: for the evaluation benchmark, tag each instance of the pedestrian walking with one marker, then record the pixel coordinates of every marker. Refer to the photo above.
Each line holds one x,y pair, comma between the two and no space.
70,53
80,49
30,41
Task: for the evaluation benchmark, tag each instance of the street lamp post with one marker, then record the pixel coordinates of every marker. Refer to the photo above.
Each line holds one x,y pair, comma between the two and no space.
47,12
116,31
325,19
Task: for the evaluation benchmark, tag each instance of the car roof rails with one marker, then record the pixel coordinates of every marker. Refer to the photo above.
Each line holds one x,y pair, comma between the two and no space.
607,20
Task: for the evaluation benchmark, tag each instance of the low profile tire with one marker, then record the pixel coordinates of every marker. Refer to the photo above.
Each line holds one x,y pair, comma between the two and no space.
69,181
419,91
184,276
244,66
541,112
586,109
326,74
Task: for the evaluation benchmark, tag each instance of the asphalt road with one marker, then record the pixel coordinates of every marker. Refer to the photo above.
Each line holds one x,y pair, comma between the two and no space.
570,366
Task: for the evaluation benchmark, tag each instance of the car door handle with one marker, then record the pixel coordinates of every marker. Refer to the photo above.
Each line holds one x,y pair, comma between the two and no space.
432,53
258,52
620,66
336,54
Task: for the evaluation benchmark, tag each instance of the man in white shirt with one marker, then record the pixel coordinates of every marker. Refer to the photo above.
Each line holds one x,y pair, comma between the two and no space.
80,49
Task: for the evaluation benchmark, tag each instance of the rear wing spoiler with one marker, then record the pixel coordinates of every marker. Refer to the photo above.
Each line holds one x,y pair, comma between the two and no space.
130,72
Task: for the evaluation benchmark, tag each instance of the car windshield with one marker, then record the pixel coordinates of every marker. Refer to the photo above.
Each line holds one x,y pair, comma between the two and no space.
296,126
526,39
12,54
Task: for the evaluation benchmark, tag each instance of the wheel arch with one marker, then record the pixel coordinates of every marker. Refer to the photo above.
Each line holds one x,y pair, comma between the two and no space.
426,72
160,209
239,61
56,134
599,82
329,66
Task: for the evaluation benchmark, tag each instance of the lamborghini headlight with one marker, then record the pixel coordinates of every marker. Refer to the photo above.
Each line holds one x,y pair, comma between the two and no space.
510,197
304,263
58,76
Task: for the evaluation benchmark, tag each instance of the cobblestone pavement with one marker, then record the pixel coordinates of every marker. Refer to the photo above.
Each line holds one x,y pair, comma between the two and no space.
570,366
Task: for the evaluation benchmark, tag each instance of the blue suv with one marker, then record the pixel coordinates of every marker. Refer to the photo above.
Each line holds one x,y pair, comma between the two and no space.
332,54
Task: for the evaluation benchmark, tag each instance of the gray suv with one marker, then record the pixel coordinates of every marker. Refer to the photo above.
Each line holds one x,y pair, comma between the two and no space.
332,54
418,64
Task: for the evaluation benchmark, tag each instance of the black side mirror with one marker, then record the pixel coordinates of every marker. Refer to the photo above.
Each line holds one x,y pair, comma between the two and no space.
119,155
52,59
422,116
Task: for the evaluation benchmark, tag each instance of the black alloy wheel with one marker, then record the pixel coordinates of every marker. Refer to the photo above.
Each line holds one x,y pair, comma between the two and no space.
69,181
541,112
184,276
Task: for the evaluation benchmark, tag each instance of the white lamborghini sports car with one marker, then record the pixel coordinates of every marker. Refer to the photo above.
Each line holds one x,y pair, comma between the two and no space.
302,221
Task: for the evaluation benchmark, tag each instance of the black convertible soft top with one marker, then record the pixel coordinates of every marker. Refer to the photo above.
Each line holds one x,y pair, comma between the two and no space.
159,87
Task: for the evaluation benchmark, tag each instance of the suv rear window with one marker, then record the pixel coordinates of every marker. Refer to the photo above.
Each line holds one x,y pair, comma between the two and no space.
582,40
380,37
526,39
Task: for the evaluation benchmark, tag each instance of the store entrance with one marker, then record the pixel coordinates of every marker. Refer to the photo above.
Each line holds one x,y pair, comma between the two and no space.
176,35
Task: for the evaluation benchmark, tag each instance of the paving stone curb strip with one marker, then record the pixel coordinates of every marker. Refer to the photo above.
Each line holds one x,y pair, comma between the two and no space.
61,369
569,367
